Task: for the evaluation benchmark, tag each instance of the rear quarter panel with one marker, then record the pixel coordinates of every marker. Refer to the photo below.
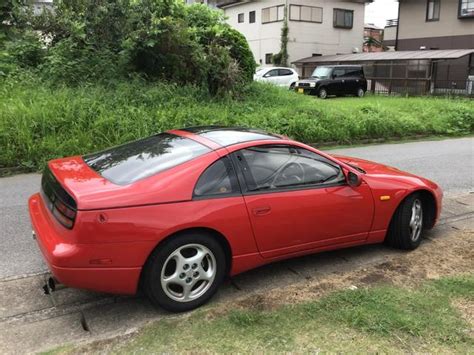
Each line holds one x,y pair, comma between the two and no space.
143,228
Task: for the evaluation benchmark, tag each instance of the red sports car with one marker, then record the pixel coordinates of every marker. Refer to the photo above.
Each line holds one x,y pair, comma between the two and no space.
176,212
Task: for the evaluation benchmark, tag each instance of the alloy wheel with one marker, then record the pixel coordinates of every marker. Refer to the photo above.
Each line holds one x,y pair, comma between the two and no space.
416,220
188,272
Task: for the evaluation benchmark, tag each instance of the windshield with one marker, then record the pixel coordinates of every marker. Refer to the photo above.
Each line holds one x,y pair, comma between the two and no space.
321,72
137,160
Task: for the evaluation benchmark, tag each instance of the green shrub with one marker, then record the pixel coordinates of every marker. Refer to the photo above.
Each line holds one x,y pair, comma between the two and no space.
105,40
239,50
26,50
38,123
75,63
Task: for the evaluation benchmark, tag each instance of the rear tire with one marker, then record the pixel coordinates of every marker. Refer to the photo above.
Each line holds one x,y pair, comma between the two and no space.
406,227
322,93
178,280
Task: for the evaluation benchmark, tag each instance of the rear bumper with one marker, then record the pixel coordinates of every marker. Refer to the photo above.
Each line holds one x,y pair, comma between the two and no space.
57,253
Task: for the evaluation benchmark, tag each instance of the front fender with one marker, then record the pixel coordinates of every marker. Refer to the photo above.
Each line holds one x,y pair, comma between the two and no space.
390,191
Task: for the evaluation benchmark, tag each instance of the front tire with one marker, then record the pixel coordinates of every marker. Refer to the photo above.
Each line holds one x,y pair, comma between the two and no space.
323,93
406,227
184,272
360,92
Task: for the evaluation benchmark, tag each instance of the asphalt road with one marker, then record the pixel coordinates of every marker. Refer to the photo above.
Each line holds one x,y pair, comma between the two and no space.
450,163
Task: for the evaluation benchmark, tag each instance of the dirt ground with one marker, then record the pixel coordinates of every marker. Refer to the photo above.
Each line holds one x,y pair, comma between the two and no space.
450,255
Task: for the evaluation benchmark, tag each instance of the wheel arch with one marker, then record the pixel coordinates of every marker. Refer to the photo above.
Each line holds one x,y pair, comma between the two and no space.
219,237
429,200
431,208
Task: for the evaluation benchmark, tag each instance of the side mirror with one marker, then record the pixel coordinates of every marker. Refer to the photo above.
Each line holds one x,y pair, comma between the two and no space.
353,179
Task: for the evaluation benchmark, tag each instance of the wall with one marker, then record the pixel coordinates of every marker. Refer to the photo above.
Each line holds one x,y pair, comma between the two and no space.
389,36
413,25
262,38
305,38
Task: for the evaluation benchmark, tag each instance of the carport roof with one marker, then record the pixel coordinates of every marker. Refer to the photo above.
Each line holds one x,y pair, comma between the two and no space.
379,56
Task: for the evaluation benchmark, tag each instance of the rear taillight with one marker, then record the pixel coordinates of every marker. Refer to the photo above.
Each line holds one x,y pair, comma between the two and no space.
57,200
64,214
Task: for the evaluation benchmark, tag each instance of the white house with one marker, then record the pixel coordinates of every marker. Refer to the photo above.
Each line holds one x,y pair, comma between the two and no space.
316,27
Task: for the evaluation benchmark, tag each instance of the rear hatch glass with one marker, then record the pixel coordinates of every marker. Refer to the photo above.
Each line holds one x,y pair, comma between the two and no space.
137,160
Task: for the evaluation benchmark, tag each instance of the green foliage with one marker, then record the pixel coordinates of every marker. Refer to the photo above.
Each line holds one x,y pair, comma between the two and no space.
239,50
77,63
26,51
9,18
39,122
387,310
105,40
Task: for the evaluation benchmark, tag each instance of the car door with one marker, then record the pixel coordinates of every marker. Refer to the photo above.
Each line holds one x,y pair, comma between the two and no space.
336,85
351,80
272,77
286,77
298,200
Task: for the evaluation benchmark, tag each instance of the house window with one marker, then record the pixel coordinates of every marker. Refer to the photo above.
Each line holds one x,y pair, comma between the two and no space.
306,13
273,14
343,18
466,8
252,16
268,58
240,18
432,10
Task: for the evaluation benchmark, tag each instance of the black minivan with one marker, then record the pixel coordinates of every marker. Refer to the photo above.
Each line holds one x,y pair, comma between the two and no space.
336,80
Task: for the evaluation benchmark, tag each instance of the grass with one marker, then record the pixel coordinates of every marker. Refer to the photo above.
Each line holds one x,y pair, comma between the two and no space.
378,319
38,122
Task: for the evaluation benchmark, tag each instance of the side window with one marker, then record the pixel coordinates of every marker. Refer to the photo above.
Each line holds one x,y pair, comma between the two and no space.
276,167
338,73
273,72
219,179
353,73
284,72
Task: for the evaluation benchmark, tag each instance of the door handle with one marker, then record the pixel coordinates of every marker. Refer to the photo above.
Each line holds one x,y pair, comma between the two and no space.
261,211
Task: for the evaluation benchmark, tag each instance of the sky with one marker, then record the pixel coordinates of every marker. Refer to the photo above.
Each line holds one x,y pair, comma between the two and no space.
380,11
